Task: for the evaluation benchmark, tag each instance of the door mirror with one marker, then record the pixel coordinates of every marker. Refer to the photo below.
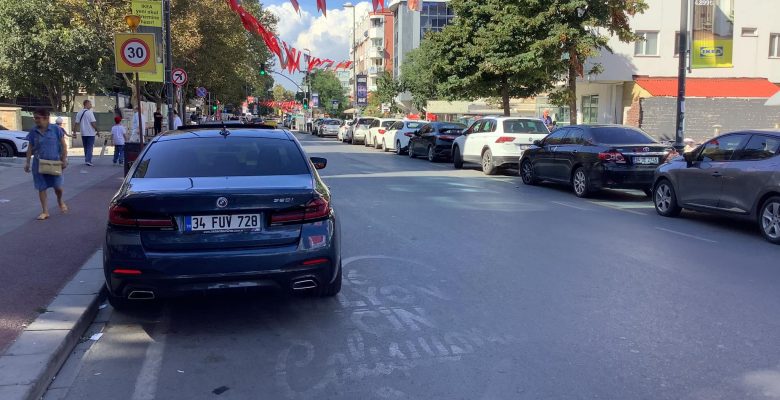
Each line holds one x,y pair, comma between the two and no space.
319,162
538,143
690,157
416,133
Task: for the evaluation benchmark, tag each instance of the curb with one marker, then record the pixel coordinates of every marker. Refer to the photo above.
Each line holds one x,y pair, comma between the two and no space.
33,360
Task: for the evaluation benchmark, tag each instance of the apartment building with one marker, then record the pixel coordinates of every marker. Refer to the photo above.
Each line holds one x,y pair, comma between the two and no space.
411,26
374,49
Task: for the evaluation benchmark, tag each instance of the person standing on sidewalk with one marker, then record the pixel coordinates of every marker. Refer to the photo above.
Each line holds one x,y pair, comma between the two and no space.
158,120
176,120
135,131
119,136
47,142
88,124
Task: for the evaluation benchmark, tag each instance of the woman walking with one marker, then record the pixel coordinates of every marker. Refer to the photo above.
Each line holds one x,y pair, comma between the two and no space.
47,143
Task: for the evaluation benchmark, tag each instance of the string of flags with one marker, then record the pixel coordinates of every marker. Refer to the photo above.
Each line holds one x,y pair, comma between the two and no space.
289,57
287,105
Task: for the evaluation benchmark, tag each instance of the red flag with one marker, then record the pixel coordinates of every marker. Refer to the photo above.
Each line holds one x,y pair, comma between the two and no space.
313,63
377,3
295,5
234,5
339,66
414,5
322,7
347,64
327,63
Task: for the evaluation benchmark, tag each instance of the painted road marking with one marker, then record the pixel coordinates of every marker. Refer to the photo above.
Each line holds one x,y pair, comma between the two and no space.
560,203
686,235
616,207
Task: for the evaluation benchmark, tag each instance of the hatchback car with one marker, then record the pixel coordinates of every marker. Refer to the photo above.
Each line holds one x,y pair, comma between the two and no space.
360,130
400,133
497,142
736,174
345,130
329,128
592,157
434,140
377,132
210,209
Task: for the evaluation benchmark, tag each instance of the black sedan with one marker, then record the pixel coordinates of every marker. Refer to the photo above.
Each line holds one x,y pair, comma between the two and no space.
207,209
434,140
592,157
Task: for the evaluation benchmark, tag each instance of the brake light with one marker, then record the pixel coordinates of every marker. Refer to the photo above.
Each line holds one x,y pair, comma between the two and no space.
121,271
316,261
505,139
122,216
408,134
447,137
612,156
382,131
318,208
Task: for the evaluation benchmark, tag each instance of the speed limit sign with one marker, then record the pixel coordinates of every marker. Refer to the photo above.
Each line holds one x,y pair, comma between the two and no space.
179,77
135,52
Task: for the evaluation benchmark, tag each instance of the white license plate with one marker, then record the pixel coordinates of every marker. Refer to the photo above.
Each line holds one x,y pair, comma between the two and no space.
645,160
223,223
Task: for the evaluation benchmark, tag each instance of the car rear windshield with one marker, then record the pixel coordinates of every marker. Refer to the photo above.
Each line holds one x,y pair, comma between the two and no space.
525,126
332,122
231,156
387,124
620,135
451,128
365,121
414,125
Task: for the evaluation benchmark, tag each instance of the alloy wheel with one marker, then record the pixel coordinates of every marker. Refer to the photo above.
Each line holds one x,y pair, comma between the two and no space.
398,148
770,220
528,173
663,198
431,155
579,182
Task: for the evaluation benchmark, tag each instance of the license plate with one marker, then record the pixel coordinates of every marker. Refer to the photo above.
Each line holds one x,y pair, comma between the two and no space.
645,160
223,223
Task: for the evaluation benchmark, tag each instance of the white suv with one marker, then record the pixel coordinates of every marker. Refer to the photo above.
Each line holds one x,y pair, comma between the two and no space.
378,131
12,143
360,130
497,142
398,135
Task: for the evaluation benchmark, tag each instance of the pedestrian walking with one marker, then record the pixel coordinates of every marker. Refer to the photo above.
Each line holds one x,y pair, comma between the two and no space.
88,125
135,131
119,136
47,144
59,122
158,120
176,120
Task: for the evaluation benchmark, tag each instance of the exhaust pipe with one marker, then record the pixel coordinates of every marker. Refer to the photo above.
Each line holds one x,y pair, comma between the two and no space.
304,284
141,295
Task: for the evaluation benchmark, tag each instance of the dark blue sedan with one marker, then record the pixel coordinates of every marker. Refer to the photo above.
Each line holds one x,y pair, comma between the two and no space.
207,209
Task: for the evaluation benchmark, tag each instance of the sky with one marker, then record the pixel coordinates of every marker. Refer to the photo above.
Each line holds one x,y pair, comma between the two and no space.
326,37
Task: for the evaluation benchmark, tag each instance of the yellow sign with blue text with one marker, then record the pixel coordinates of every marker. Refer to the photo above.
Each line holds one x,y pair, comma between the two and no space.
134,52
151,13
713,34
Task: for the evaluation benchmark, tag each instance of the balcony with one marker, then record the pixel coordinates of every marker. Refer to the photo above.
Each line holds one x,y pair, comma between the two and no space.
376,52
376,33
373,70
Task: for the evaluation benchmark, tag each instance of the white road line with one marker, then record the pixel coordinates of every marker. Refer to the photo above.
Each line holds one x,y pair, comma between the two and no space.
616,208
146,383
686,235
560,203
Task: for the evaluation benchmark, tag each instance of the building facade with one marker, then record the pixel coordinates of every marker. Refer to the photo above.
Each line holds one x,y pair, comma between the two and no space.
411,26
374,48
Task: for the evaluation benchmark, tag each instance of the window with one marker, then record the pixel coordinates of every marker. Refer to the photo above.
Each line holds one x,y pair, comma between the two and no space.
620,135
556,138
434,17
750,32
577,137
760,147
590,109
647,45
388,124
677,43
524,126
774,45
489,126
413,125
216,157
374,124
722,148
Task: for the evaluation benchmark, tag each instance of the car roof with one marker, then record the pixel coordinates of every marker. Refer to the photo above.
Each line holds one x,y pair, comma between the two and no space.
773,132
502,118
249,130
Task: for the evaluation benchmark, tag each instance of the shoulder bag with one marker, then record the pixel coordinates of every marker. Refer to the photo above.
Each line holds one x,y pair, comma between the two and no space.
48,167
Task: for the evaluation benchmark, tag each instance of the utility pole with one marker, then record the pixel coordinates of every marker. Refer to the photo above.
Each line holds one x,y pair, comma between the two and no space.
681,76
354,58
168,62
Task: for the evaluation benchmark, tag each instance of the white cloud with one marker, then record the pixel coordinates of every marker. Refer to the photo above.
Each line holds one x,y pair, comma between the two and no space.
326,37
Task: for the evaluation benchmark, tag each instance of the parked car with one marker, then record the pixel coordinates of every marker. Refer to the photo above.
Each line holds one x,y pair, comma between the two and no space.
377,131
434,140
316,125
329,128
737,174
592,157
345,131
207,209
360,130
12,143
401,132
497,142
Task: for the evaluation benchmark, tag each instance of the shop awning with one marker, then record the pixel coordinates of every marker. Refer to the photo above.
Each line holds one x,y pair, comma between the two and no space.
710,87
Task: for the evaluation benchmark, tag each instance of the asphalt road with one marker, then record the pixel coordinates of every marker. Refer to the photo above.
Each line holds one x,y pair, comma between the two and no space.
461,286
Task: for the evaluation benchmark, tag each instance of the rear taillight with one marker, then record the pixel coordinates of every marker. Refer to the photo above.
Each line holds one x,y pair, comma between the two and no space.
612,156
408,134
122,216
382,131
316,209
447,137
124,271
505,139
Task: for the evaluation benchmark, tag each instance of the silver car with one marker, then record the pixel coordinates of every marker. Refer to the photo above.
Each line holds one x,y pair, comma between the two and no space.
734,174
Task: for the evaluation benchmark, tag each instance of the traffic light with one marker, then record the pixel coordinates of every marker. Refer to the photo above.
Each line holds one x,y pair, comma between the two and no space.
263,72
214,108
305,104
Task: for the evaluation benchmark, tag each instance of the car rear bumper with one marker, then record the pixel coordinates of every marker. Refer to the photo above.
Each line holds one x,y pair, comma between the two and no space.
627,177
505,161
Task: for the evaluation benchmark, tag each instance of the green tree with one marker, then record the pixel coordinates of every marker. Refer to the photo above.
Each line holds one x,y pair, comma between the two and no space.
574,31
417,77
280,93
387,89
329,88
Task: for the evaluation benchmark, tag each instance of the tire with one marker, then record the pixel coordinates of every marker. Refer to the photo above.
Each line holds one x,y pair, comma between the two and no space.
487,163
332,289
457,159
398,150
410,152
665,199
527,173
431,154
769,219
377,146
6,150
384,147
580,183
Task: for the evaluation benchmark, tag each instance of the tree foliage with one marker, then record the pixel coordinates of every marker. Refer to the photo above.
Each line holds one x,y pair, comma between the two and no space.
280,93
417,77
329,88
387,89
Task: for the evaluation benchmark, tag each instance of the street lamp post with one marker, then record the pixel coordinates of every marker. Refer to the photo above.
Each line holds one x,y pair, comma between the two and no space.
354,59
168,62
308,114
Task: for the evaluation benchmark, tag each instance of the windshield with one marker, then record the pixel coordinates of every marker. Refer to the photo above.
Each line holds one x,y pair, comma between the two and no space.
414,125
620,135
525,126
387,124
365,121
451,128
231,156
332,122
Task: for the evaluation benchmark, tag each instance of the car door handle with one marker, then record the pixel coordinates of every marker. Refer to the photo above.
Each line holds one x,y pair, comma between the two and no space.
717,174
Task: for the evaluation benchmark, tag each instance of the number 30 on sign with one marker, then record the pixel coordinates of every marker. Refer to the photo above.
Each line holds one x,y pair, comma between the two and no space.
135,52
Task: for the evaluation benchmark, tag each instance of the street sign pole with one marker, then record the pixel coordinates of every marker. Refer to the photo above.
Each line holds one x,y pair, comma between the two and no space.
681,76
138,105
168,61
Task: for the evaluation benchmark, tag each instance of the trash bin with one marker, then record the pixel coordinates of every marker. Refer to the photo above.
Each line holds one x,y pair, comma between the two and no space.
132,151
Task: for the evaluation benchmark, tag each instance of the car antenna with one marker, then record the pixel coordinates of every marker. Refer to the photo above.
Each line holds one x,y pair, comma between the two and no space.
224,132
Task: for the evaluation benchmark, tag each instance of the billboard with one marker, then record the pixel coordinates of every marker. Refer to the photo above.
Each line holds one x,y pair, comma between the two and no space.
713,34
362,90
151,13
315,100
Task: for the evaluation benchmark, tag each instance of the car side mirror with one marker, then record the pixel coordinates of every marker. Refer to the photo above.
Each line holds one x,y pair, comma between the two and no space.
690,157
416,133
319,162
538,143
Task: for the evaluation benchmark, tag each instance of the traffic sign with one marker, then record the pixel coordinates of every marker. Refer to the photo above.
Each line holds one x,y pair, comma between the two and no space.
134,52
179,77
201,92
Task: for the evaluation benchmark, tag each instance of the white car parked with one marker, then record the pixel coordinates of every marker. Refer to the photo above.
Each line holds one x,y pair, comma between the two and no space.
345,131
400,133
378,130
12,143
360,131
497,142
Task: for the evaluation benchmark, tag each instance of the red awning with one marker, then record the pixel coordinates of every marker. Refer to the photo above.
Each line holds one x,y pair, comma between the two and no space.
710,87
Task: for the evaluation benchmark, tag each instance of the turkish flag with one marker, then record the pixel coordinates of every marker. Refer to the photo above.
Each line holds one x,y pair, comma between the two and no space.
414,5
295,5
321,6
